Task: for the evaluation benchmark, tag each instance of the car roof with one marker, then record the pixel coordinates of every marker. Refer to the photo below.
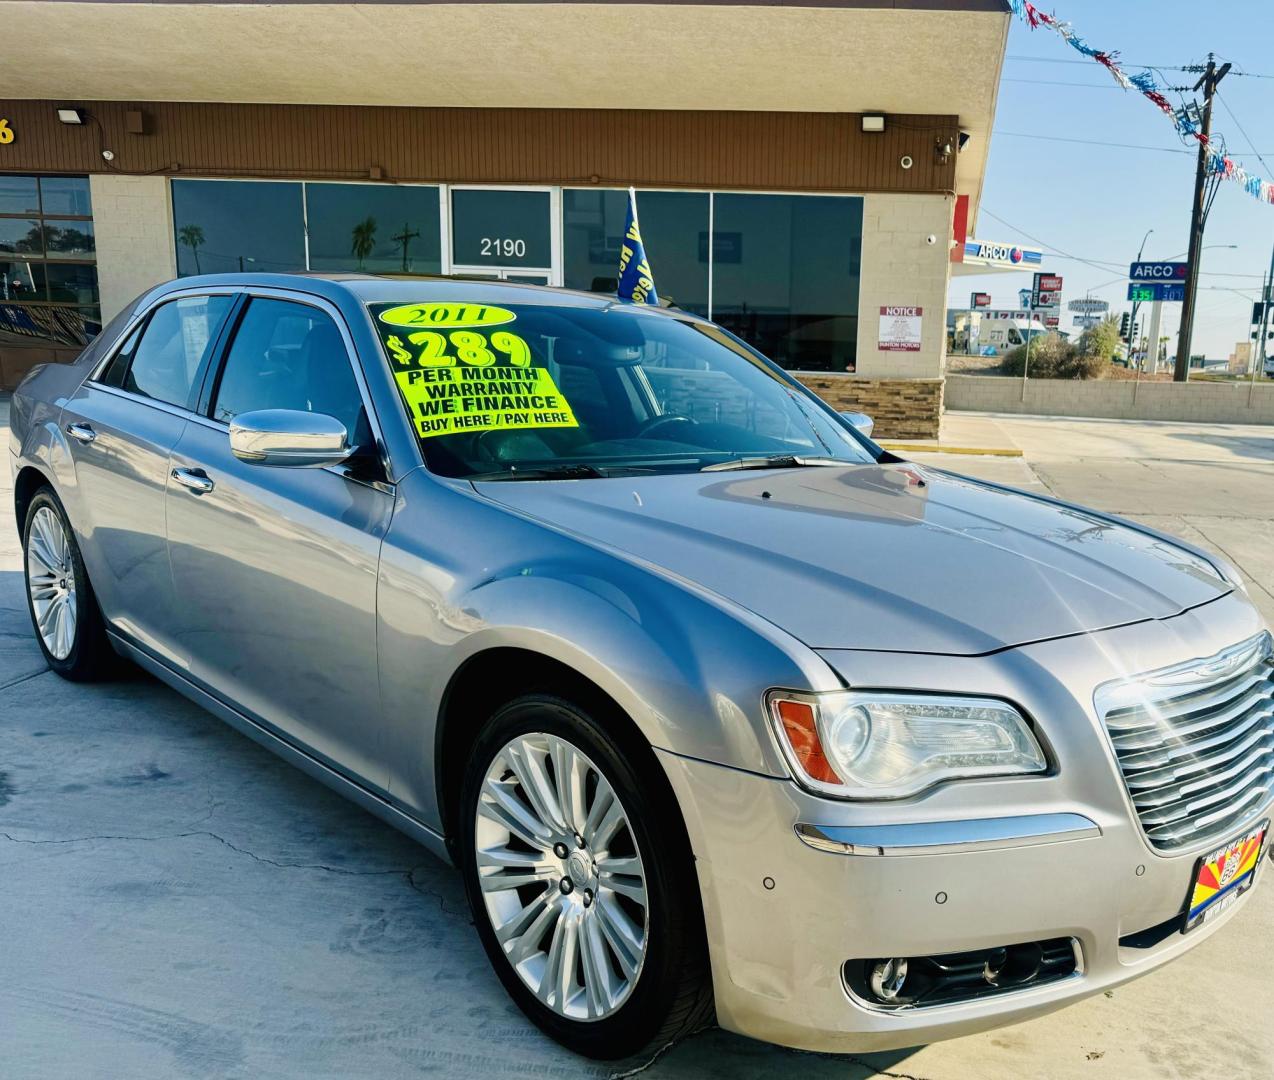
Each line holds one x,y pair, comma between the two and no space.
415,288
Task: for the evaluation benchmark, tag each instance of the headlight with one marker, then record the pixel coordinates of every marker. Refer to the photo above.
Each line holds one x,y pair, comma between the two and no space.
867,745
1229,573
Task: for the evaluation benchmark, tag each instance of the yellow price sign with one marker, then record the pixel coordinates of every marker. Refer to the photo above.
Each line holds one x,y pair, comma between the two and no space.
456,375
453,400
448,314
6,132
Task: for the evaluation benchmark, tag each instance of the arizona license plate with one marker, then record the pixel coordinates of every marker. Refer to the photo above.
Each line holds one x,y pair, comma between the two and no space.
1223,875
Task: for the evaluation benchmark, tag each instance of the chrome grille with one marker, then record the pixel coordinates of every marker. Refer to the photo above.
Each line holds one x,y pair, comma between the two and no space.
1195,742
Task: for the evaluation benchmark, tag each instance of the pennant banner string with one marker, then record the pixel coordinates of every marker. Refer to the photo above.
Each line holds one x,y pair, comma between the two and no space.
1185,119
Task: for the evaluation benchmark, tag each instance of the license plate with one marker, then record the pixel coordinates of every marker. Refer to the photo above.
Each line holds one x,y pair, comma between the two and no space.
1223,875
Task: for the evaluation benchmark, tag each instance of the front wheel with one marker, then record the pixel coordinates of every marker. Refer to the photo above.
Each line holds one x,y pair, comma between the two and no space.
64,612
580,882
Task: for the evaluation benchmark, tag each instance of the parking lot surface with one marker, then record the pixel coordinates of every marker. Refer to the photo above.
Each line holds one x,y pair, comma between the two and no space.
178,902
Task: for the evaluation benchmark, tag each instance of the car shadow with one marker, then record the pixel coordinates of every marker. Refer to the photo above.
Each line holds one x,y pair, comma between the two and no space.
299,935
1243,446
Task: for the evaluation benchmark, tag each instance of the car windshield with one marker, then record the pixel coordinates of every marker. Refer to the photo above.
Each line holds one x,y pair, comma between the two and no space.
543,392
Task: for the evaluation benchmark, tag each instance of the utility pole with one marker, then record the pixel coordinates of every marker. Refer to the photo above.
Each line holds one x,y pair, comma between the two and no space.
1259,356
404,238
1212,76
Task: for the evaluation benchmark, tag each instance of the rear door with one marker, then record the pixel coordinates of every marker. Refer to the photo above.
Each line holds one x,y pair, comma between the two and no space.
276,567
121,426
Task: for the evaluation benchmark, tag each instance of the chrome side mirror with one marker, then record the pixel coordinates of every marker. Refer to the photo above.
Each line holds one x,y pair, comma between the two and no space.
860,422
289,437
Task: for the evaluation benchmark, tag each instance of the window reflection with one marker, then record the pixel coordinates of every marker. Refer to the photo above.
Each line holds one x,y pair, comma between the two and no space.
228,226
672,223
785,276
19,195
374,228
48,283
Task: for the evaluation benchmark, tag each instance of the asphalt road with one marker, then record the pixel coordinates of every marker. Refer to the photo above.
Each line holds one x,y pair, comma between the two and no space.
176,902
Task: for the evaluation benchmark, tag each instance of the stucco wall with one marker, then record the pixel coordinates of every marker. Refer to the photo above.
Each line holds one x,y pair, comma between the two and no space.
133,221
1222,403
900,267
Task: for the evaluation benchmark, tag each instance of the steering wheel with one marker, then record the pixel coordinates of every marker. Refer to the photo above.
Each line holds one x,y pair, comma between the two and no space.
647,426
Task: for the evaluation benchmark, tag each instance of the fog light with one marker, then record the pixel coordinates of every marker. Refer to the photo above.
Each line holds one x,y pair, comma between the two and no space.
887,978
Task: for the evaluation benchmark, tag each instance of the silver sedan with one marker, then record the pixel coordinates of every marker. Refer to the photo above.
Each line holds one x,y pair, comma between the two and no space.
723,711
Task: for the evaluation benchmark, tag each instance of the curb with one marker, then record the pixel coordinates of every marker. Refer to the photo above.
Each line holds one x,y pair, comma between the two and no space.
921,448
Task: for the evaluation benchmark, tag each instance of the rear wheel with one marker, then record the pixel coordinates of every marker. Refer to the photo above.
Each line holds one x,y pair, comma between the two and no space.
582,890
64,612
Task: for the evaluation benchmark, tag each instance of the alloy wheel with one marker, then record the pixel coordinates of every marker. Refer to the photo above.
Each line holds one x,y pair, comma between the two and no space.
561,876
51,581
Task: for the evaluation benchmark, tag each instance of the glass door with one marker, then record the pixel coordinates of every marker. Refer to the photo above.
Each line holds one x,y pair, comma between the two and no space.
506,233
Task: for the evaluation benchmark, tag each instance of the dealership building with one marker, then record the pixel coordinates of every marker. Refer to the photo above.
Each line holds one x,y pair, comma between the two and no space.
806,173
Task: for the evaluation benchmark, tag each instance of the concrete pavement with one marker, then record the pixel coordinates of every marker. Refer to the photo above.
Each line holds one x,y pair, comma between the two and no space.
176,902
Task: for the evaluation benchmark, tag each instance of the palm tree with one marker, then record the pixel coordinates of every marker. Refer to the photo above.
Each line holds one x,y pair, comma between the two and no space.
364,235
192,237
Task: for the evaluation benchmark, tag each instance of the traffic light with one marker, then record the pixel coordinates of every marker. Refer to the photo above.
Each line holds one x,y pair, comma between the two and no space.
1125,325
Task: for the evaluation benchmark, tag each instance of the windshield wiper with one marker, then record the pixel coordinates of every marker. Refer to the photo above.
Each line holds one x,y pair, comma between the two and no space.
573,471
774,461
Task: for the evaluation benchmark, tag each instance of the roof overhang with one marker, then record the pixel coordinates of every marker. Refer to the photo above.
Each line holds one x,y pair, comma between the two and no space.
846,56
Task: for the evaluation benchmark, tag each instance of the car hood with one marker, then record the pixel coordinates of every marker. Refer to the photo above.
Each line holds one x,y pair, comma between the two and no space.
887,557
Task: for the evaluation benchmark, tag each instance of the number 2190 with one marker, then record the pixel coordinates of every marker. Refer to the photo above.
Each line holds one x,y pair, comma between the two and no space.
506,247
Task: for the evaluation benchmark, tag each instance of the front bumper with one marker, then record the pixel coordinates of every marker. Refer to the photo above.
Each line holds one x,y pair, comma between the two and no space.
783,917
968,866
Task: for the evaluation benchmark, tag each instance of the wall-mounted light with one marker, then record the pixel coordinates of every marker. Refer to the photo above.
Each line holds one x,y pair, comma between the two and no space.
873,121
943,150
71,116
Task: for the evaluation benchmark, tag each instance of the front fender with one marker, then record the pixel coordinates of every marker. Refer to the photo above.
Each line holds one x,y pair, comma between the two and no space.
461,576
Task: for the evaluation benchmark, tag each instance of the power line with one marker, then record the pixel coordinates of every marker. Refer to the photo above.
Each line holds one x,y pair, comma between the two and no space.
1065,254
1193,68
1054,82
1103,265
1093,142
1086,63
1243,131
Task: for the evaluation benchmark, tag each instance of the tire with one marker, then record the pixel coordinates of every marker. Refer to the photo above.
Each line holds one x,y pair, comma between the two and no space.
616,999
67,622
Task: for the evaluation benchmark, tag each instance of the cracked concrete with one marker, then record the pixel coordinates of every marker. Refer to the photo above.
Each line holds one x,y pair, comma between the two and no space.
176,902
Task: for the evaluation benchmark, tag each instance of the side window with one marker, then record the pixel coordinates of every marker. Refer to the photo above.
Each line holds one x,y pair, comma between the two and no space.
289,356
113,375
174,345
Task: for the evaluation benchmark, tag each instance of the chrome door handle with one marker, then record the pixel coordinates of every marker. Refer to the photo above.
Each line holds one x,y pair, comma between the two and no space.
81,432
194,479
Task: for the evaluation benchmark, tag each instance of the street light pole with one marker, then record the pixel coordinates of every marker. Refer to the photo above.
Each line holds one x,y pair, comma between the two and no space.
1132,322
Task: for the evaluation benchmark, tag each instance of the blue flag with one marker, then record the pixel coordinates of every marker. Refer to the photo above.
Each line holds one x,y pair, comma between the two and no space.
636,282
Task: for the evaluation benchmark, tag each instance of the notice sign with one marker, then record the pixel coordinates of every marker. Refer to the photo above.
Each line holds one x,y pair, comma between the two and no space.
900,329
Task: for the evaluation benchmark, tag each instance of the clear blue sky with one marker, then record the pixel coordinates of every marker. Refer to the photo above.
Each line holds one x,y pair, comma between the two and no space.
1097,202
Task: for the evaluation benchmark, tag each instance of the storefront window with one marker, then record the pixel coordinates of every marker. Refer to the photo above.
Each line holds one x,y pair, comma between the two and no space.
48,280
374,228
674,228
785,276
492,227
228,226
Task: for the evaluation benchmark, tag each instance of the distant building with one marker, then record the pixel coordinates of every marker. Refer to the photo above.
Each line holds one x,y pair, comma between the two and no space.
1241,358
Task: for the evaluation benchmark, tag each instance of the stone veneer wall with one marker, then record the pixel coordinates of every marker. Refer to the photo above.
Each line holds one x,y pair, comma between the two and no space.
901,408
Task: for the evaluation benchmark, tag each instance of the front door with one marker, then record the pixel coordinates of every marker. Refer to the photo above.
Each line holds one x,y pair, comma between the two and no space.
275,567
506,234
